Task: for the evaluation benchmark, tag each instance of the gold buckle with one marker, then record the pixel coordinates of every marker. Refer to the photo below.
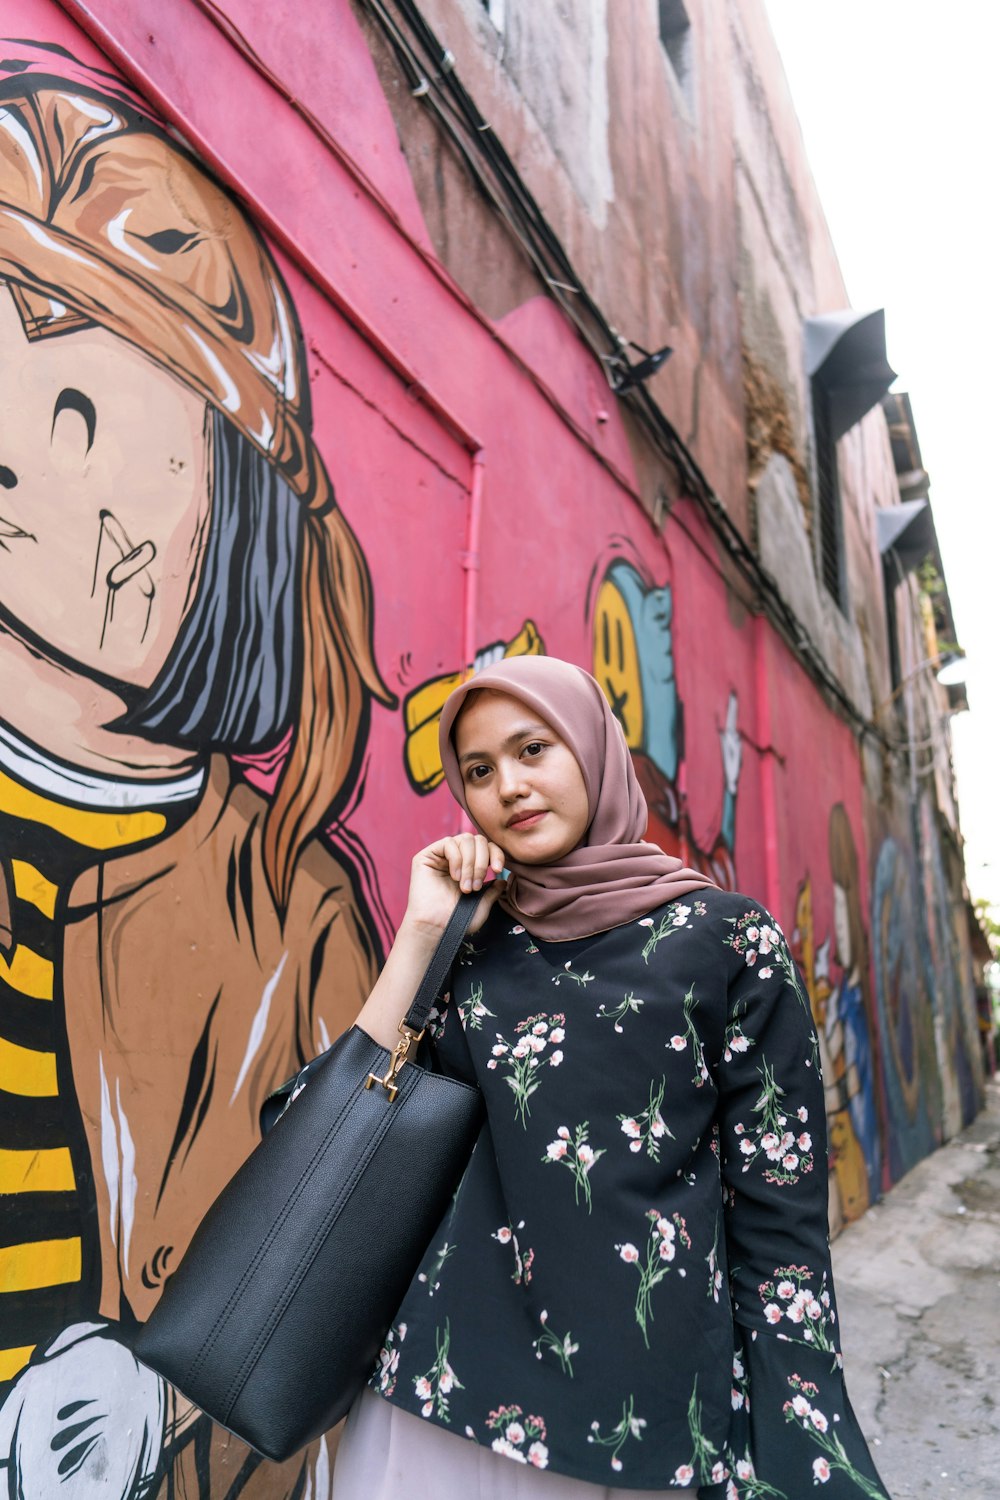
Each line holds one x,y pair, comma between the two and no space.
396,1061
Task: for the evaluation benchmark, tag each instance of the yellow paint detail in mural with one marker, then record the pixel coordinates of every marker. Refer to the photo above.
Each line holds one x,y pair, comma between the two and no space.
29,1268
849,1192
616,661
422,709
28,1073
95,830
13,1361
848,1165
41,1171
28,973
32,886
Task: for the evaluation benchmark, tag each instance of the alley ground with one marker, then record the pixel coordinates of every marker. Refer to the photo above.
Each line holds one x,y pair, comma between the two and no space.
918,1282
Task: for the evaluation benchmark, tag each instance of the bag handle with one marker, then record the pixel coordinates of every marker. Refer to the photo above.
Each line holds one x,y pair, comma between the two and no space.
411,1027
444,956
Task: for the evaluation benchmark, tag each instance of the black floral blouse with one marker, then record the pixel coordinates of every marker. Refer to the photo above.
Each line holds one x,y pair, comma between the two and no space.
632,1286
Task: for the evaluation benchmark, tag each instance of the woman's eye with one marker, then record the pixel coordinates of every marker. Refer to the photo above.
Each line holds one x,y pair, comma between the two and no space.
476,773
534,747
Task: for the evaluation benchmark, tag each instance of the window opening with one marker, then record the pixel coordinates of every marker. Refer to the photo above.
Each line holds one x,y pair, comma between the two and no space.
496,10
831,562
676,39
891,576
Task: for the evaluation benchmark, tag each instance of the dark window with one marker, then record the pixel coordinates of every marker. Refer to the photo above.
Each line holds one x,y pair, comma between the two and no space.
892,575
831,547
675,35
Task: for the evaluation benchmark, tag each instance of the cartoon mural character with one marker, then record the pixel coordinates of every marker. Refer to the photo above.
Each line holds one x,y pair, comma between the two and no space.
849,1009
849,1192
177,587
633,652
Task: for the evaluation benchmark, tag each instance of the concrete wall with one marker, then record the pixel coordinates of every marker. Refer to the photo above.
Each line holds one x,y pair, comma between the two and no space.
253,373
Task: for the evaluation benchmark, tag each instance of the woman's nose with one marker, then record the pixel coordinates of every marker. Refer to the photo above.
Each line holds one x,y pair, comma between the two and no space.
510,780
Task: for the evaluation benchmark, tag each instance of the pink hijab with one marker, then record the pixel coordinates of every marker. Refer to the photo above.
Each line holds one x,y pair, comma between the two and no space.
612,876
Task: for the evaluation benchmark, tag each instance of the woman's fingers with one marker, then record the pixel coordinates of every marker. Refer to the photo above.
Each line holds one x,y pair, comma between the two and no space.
469,856
463,860
460,852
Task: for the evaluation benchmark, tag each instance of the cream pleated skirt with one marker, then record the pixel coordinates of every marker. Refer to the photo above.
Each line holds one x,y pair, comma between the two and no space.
387,1454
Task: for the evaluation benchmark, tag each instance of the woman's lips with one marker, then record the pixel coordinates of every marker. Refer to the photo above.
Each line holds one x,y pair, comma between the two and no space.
527,820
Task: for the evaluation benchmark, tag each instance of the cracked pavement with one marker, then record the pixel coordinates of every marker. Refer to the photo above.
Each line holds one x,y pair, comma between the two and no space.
918,1286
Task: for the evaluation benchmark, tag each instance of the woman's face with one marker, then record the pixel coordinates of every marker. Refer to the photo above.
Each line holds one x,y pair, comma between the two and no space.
523,784
103,497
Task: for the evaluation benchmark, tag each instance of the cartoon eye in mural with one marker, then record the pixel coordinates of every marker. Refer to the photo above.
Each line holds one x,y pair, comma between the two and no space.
632,632
178,589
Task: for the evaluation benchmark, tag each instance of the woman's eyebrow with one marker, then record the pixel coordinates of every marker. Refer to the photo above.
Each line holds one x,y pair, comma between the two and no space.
512,739
73,400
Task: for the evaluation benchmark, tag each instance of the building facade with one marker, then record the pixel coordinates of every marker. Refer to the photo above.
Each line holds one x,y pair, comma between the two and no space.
332,367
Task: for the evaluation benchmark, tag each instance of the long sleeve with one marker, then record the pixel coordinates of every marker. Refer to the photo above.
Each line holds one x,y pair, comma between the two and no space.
792,1417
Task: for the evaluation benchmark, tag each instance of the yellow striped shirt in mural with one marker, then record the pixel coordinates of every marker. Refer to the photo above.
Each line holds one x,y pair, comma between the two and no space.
54,822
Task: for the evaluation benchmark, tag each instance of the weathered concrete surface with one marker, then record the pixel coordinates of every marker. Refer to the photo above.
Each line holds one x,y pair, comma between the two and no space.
918,1281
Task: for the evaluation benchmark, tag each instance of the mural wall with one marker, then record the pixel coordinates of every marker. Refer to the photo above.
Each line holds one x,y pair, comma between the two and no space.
235,589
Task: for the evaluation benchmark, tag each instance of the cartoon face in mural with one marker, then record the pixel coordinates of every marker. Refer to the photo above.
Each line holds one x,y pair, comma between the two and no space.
106,585
633,660
842,926
177,589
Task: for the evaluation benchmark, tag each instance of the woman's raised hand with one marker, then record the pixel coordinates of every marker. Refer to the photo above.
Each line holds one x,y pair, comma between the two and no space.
459,863
437,875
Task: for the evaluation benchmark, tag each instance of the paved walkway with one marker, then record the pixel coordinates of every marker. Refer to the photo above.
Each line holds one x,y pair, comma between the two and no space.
918,1283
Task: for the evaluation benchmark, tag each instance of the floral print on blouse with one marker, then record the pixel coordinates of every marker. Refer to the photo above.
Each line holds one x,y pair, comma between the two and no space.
632,1286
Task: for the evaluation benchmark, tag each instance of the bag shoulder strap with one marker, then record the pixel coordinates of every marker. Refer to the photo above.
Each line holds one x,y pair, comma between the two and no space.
444,956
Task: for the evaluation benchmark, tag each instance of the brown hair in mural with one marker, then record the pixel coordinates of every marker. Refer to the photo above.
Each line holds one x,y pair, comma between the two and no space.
177,588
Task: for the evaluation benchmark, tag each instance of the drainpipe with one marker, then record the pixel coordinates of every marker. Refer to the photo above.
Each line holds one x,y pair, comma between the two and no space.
470,578
768,792
470,562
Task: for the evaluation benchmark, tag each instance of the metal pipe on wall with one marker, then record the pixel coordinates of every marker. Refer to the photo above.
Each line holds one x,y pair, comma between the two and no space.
768,791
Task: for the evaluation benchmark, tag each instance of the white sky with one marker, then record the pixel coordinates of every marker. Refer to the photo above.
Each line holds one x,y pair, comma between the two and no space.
900,107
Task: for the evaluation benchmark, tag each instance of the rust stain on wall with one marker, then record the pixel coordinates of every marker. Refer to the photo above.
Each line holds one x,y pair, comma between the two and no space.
769,429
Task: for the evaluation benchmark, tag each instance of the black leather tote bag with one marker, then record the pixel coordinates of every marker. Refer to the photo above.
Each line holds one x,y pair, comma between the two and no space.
274,1319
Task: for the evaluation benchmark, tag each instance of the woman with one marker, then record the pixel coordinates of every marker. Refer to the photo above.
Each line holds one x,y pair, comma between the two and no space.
632,1285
